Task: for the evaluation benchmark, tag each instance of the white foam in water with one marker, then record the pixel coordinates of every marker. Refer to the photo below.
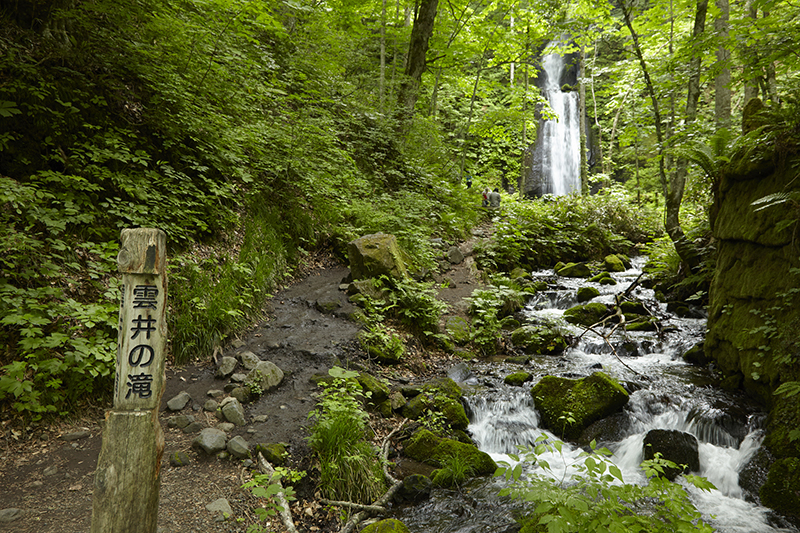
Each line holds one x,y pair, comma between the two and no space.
668,399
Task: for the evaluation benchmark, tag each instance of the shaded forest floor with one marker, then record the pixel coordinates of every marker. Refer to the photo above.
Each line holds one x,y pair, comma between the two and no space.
48,473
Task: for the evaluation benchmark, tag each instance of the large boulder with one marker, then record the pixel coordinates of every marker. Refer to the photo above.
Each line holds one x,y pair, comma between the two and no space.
372,256
265,377
673,445
587,314
612,263
568,406
780,492
429,449
539,340
574,270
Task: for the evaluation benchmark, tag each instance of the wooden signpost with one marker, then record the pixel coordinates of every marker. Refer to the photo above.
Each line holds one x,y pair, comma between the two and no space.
127,479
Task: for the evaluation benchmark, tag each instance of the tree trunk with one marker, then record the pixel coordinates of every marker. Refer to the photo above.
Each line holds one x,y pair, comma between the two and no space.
674,198
417,50
382,88
582,121
722,83
683,247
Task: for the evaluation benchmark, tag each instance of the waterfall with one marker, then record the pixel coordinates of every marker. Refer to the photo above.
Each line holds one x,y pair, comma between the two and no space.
555,165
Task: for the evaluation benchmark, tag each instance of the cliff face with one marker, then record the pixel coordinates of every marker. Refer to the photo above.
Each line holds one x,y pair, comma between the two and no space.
754,307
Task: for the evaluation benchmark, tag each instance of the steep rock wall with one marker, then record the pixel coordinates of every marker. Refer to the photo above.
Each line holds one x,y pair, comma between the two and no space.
754,313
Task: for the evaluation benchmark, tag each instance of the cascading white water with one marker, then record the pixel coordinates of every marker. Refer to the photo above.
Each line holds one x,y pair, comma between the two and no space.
667,399
670,394
560,137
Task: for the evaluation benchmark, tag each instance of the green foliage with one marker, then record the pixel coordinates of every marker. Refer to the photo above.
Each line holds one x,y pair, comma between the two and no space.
488,306
377,340
595,497
541,233
268,487
349,469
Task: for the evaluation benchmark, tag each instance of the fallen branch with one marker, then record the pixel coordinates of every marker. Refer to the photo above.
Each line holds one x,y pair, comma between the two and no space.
358,506
285,512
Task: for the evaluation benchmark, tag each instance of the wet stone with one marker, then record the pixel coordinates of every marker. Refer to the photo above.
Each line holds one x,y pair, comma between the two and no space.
210,440
238,447
249,360
194,427
226,367
76,435
179,401
10,514
179,458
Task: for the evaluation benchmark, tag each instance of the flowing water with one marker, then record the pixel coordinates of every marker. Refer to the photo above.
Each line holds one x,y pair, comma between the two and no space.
560,137
667,394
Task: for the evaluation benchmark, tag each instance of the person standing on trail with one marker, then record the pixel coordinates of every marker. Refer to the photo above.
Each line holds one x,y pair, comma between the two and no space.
469,180
494,199
485,197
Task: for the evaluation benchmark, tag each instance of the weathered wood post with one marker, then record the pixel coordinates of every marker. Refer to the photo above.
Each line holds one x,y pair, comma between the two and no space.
127,479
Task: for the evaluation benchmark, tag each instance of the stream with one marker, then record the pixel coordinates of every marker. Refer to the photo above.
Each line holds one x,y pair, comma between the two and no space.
665,393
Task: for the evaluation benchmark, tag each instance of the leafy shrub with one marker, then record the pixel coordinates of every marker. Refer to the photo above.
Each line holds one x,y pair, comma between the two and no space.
349,468
566,228
596,498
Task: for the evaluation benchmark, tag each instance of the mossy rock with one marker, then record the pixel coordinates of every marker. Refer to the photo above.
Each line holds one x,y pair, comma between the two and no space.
509,323
458,328
608,280
587,314
416,488
378,391
388,525
587,293
602,275
454,413
519,272
696,355
275,453
518,359
626,261
443,385
633,308
452,410
780,492
429,449
539,340
558,266
575,270
586,400
518,378
376,255
643,324
365,288
612,263
415,408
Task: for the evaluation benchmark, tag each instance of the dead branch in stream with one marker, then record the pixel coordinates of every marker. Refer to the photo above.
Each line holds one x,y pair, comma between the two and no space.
619,323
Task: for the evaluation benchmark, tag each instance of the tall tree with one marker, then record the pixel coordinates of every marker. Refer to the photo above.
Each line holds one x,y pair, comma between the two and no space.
416,61
673,189
722,81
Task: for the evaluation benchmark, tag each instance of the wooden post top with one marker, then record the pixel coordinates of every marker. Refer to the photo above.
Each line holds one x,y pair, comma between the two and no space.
143,251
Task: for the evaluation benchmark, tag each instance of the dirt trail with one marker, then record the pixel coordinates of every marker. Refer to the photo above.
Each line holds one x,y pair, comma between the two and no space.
48,474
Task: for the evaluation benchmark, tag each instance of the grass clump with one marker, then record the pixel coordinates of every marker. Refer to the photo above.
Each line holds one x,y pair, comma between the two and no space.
349,468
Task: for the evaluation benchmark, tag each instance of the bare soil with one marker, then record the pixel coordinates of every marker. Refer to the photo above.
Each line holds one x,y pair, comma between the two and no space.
49,476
